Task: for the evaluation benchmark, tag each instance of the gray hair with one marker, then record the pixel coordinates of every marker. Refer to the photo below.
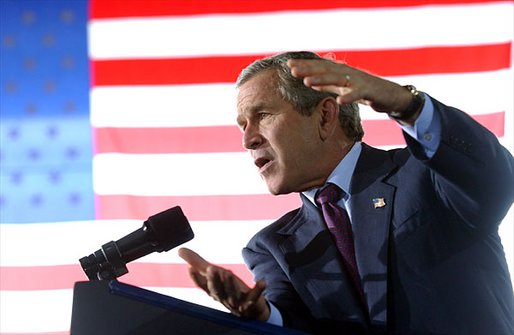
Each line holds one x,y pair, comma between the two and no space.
303,98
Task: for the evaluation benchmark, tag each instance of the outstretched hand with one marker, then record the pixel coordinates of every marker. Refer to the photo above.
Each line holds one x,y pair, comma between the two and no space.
351,85
225,287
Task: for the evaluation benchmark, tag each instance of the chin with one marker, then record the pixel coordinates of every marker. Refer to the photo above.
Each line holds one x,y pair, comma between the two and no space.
274,192
275,189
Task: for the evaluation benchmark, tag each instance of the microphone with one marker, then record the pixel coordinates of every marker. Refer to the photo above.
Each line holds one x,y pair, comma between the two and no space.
161,232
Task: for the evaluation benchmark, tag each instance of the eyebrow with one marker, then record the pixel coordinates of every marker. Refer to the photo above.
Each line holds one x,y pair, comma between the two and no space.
252,110
257,108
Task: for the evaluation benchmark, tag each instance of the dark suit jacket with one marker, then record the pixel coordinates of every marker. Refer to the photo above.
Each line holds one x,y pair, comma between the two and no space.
430,260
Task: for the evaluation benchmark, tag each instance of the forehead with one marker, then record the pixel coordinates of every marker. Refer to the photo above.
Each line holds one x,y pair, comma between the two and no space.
260,90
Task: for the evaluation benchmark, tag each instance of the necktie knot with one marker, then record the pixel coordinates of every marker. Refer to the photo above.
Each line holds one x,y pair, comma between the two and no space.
330,194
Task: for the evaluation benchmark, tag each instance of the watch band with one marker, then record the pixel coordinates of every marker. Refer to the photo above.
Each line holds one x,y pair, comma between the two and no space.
415,105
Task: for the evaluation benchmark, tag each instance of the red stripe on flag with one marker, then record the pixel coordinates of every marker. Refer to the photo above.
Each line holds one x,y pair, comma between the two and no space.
228,138
168,140
226,69
137,8
388,133
495,122
169,71
197,208
52,277
19,278
174,275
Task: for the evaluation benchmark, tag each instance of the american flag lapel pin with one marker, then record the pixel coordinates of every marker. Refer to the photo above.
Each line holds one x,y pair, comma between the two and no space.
378,202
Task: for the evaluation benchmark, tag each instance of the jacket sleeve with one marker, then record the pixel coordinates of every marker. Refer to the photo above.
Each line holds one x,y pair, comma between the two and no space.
258,256
473,173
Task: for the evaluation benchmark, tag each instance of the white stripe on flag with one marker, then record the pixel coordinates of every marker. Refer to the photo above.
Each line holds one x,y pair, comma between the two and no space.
74,240
214,104
163,105
181,36
35,311
176,174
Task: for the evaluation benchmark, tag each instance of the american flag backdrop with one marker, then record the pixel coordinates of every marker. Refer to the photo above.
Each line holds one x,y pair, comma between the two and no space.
115,110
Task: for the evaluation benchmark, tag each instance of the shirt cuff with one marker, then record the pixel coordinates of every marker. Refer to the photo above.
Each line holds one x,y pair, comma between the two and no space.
427,128
275,317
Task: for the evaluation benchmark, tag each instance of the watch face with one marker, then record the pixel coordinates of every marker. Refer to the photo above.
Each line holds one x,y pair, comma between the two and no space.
414,107
412,89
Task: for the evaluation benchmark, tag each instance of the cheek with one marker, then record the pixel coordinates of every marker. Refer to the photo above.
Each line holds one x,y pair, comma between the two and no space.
294,143
296,152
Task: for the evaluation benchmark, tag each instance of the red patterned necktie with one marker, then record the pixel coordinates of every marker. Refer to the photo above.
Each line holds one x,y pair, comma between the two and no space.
338,223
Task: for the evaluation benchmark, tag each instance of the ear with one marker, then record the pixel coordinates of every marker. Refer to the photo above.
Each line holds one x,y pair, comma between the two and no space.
328,110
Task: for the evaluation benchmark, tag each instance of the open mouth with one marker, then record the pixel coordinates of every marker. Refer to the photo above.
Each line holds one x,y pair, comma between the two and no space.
261,162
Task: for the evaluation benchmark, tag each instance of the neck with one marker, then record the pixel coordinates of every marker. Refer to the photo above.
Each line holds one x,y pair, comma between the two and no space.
330,161
338,156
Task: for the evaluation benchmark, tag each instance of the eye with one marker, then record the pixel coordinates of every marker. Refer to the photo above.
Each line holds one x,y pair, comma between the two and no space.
262,116
241,124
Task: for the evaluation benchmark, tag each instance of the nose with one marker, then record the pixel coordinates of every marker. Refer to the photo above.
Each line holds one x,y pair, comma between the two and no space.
252,138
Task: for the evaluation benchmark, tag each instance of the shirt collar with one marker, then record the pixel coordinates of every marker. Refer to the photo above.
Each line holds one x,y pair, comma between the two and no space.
342,174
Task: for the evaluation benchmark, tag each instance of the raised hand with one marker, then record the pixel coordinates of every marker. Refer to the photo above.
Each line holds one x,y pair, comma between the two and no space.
351,84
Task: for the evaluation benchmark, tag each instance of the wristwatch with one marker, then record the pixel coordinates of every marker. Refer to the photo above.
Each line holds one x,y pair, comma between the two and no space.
415,105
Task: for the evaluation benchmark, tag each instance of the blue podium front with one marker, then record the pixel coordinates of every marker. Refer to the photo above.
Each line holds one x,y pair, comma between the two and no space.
112,307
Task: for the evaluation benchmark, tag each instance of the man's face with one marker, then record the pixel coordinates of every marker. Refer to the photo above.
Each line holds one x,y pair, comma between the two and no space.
282,142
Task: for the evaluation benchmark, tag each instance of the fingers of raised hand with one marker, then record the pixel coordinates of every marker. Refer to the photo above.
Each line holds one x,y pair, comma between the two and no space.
312,71
323,75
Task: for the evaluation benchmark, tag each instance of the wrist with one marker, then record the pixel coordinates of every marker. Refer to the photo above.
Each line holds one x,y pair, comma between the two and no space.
412,111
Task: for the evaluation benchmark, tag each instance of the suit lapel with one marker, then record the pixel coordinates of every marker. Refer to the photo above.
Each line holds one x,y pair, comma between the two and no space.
313,261
371,204
314,264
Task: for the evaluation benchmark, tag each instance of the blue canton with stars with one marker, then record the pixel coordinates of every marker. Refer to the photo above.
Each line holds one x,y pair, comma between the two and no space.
45,135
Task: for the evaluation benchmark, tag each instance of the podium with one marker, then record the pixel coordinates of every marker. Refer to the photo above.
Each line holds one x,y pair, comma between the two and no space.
112,307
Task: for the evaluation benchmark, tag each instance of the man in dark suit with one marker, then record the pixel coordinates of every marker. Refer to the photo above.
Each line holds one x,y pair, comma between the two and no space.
427,258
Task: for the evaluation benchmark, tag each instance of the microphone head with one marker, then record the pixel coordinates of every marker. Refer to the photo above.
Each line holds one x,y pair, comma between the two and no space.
170,228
